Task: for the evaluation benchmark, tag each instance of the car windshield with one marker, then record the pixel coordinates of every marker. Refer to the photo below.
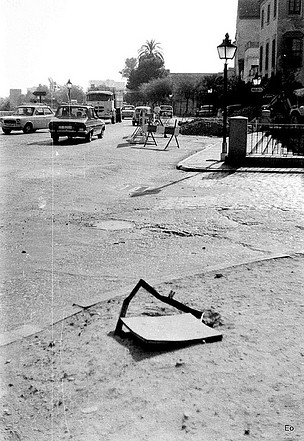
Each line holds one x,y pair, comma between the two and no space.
25,111
71,112
166,107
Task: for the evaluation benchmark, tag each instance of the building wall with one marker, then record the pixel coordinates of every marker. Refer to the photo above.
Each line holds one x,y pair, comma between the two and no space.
14,97
288,26
251,61
270,23
268,38
120,85
275,34
247,33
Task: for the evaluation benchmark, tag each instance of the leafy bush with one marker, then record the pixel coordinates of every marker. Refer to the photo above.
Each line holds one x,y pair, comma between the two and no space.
203,127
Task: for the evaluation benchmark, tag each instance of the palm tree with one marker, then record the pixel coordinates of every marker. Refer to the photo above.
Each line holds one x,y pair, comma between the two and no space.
151,49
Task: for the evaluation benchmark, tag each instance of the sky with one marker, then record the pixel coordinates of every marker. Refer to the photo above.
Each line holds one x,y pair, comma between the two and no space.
84,40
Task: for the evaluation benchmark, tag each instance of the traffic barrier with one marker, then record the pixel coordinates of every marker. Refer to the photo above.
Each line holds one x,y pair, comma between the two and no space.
151,129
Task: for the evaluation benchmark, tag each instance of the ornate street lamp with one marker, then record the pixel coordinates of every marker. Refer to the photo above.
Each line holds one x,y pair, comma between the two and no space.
69,86
226,51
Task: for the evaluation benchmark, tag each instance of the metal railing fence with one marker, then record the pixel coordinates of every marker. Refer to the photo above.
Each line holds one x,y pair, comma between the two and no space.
275,140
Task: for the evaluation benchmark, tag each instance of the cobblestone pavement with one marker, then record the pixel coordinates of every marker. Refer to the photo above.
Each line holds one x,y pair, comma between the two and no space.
275,191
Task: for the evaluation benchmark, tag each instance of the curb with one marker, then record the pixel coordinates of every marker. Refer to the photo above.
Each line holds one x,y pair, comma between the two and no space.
194,168
196,165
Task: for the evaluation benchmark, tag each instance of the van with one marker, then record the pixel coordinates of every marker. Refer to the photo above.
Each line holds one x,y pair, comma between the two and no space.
166,111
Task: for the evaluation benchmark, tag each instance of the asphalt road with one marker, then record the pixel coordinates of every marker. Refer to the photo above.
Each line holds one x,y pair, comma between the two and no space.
81,222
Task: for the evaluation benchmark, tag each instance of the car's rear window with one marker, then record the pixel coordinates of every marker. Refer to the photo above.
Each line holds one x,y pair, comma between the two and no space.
71,112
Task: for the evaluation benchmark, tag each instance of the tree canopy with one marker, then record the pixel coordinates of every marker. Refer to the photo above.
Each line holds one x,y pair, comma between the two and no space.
157,90
130,64
151,49
148,66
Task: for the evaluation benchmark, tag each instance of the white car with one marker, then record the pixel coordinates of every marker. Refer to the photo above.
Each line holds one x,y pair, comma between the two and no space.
27,117
127,111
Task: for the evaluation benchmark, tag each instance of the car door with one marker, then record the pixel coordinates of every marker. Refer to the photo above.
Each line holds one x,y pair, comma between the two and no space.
48,115
38,118
97,122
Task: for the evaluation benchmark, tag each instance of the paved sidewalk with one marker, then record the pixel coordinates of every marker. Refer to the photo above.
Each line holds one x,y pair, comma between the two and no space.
208,160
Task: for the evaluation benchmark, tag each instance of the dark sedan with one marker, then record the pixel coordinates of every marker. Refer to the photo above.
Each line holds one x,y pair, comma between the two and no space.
76,121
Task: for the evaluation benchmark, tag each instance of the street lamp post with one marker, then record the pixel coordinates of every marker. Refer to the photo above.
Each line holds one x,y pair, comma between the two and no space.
226,51
256,82
69,86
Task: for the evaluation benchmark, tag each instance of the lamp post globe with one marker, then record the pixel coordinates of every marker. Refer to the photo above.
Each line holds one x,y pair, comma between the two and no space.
256,81
226,51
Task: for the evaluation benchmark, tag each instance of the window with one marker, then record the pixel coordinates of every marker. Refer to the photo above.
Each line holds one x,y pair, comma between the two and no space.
268,13
273,54
262,19
295,46
266,56
275,5
241,64
294,6
47,111
293,50
261,58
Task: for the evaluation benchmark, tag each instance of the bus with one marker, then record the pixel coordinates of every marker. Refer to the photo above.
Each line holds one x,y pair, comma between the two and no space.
103,102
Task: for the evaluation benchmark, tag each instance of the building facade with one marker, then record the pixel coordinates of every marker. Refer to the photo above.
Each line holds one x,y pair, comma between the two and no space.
247,39
269,37
281,39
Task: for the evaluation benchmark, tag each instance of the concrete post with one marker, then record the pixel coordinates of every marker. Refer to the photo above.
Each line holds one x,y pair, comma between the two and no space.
237,140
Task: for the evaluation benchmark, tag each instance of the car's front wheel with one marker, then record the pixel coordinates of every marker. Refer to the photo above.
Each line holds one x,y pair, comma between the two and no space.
55,139
27,128
89,137
100,135
6,131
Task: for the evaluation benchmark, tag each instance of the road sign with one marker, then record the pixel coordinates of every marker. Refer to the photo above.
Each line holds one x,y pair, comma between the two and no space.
39,93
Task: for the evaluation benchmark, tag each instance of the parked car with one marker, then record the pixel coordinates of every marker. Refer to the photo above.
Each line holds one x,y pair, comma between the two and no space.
141,112
205,110
27,117
166,110
127,111
76,121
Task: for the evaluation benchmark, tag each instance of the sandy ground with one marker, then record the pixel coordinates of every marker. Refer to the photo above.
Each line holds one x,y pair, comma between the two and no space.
78,381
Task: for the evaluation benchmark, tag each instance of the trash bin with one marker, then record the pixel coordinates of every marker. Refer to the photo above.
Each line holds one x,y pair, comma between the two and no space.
118,115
